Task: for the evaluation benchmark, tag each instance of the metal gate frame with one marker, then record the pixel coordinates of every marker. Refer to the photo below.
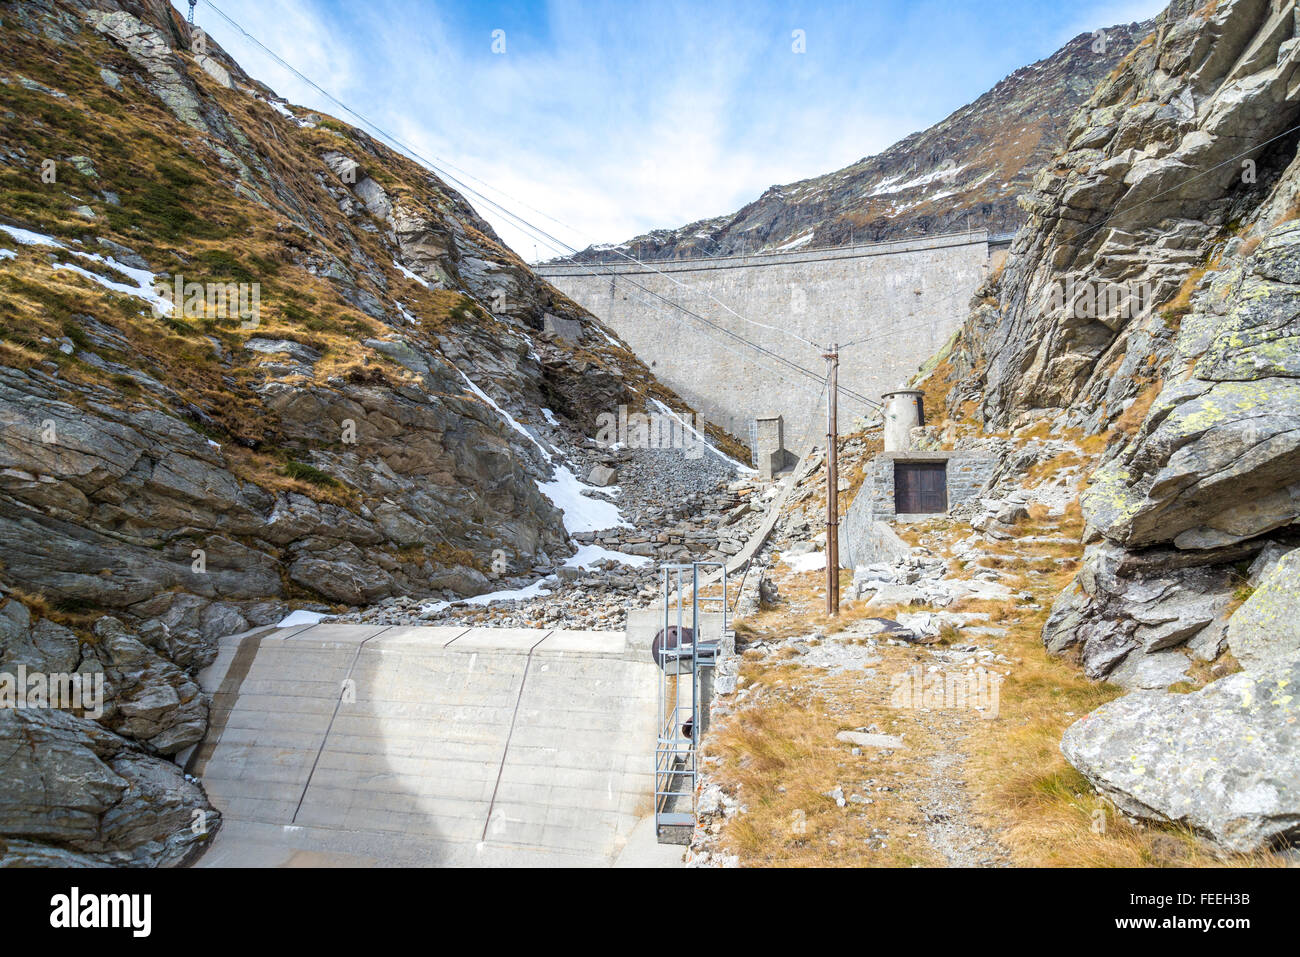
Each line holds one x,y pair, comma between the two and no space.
679,698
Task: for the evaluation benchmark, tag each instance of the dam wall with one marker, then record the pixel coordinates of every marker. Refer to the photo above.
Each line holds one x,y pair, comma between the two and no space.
898,301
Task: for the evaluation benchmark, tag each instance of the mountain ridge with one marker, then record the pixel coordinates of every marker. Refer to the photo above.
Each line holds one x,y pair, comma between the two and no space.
839,207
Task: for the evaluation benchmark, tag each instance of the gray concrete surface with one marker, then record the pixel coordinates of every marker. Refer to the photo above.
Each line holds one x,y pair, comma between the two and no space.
906,297
348,745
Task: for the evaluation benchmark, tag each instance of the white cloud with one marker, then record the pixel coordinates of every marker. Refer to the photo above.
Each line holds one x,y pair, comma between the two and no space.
617,120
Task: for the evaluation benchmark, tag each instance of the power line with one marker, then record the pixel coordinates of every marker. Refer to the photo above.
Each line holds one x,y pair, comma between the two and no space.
560,244
1205,172
784,374
413,153
548,239
798,384
720,328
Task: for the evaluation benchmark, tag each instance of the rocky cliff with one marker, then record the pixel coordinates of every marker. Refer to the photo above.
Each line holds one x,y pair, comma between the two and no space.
966,171
249,358
1151,299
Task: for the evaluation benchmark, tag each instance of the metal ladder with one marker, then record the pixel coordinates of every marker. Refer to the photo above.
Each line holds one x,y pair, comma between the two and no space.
682,699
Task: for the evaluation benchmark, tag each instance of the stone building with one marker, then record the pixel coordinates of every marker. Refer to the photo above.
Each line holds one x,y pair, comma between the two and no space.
904,483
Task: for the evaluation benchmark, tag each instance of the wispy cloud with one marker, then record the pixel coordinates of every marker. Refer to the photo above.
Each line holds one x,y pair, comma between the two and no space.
619,118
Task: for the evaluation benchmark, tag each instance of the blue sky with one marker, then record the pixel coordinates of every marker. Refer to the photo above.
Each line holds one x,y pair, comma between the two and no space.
616,117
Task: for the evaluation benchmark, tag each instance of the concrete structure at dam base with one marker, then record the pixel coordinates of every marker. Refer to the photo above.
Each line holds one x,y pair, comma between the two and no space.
355,745
897,303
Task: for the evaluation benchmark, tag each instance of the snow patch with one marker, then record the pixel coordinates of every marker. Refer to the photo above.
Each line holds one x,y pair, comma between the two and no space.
510,419
808,562
703,439
589,555
566,492
300,617
143,278
581,514
801,240
892,185
28,238
534,590
410,275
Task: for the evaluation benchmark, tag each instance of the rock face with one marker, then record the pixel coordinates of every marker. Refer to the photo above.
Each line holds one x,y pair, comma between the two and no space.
1221,760
373,429
1266,629
1152,295
73,790
964,172
248,359
1148,189
1125,606
91,786
1158,267
1216,461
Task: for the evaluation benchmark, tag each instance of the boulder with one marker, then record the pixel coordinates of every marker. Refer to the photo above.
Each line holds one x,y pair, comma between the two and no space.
1214,465
1123,603
1224,760
865,739
155,702
1265,561
1266,629
342,573
1154,670
45,646
890,595
600,476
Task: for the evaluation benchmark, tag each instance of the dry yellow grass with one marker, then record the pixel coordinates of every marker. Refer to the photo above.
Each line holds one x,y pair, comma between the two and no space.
780,757
1132,417
779,754
1047,812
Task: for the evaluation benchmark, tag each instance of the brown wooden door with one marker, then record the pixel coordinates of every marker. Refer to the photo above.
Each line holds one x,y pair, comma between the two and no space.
920,487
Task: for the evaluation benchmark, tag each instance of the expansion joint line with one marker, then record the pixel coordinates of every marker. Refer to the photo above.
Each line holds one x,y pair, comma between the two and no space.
505,752
330,727
227,694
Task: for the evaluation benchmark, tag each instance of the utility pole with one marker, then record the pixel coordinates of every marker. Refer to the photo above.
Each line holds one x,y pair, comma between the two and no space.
832,484
192,5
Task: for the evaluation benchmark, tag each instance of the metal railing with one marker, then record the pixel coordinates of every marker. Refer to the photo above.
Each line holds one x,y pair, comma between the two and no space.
687,643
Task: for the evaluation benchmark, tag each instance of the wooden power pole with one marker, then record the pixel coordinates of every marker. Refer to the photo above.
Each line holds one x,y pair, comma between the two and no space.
832,484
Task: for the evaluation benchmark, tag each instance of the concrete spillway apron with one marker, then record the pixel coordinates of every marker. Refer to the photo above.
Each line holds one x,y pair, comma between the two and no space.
371,745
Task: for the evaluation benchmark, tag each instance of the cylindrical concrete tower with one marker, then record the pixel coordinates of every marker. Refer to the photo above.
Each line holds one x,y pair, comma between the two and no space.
903,412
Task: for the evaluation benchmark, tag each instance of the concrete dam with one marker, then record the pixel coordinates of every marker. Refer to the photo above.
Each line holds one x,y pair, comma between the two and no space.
899,301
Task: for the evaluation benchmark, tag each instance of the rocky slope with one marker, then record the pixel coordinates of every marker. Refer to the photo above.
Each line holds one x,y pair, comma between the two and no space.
1178,187
964,172
385,406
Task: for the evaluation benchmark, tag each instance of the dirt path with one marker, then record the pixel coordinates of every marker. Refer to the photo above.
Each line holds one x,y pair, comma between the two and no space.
779,748
833,753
